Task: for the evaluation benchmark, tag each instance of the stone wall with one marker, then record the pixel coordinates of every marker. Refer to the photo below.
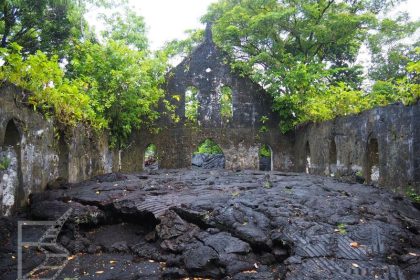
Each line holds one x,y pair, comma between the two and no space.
240,136
39,154
208,71
240,147
380,146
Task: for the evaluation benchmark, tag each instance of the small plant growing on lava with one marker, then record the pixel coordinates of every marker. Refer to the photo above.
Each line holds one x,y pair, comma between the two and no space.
412,194
341,228
4,163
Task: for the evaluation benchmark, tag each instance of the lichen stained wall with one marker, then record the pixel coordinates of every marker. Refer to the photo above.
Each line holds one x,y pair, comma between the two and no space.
38,154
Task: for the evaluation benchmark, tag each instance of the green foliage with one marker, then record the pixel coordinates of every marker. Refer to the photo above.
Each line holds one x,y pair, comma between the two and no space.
127,27
339,100
341,228
124,84
191,104
265,151
184,47
390,53
4,163
45,25
226,106
67,100
208,147
303,53
412,194
114,84
150,152
263,128
405,89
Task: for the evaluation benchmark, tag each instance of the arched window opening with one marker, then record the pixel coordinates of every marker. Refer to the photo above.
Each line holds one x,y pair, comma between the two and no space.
151,158
208,155
372,174
307,158
332,158
10,162
191,104
63,157
226,105
12,135
265,158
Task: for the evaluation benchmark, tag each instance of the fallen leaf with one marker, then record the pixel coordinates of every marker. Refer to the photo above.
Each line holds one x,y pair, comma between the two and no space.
354,245
112,261
355,264
249,271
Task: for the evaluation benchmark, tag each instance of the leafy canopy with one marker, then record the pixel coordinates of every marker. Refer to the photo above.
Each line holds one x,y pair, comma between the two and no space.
46,25
303,52
208,147
52,93
124,84
112,82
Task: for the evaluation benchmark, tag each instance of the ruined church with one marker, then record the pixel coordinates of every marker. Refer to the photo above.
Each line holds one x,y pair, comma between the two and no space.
326,203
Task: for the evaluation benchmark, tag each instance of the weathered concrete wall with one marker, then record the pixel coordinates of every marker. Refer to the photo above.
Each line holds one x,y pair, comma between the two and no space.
34,160
240,146
37,156
89,154
208,71
382,145
239,137
394,128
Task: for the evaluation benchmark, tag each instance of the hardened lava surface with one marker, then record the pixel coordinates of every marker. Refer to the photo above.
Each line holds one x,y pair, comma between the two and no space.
218,224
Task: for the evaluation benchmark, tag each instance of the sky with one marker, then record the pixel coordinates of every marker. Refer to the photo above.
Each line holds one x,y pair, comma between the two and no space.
168,19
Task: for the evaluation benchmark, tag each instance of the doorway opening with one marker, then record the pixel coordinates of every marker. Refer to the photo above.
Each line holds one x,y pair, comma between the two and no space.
208,155
151,158
372,172
332,158
265,158
307,158
13,197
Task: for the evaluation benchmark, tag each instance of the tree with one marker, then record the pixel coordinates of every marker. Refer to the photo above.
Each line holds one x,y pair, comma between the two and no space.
110,83
184,47
124,84
126,26
297,50
51,93
390,49
45,25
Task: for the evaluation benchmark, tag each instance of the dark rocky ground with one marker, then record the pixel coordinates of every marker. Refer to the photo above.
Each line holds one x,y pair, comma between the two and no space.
217,224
